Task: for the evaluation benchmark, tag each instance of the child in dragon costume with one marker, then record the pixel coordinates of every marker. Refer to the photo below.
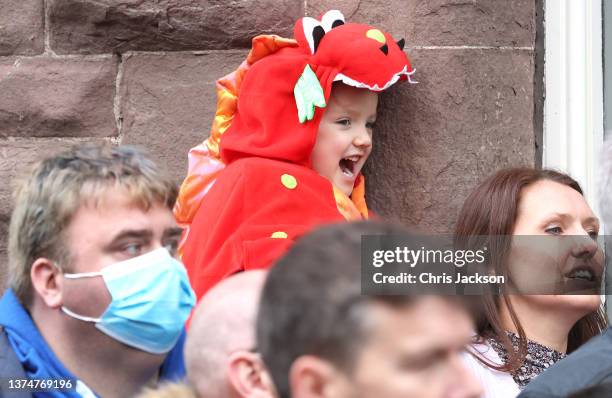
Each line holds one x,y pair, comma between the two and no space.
290,136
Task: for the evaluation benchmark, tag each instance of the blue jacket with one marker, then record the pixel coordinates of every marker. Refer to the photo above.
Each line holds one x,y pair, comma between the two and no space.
24,352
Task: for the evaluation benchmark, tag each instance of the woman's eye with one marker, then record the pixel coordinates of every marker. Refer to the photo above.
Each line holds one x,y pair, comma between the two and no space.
554,230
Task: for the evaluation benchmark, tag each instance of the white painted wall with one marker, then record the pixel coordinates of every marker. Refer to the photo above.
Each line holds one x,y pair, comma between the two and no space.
573,107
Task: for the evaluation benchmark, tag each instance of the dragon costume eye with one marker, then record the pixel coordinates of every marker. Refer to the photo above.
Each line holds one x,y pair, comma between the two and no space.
332,19
313,31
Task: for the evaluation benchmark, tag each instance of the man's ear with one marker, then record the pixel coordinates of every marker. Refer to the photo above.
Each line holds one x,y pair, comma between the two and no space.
313,377
47,282
248,376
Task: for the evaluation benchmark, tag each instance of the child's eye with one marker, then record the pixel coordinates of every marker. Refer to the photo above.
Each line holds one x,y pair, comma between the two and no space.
344,122
370,125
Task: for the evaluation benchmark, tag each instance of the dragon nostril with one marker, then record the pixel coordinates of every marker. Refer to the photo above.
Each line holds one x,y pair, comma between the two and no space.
385,49
401,43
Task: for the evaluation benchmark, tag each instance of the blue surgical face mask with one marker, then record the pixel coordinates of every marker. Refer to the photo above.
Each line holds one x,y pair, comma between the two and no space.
151,300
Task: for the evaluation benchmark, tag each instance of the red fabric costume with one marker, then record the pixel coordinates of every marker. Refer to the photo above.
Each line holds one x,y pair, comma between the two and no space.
250,190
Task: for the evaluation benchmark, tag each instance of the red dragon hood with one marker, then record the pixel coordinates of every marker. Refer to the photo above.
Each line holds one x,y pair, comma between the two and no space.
283,95
272,104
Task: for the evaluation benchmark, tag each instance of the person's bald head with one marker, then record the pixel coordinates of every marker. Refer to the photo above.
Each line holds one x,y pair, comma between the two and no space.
221,337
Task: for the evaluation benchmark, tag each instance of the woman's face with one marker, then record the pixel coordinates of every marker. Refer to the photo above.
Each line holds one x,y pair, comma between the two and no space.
559,252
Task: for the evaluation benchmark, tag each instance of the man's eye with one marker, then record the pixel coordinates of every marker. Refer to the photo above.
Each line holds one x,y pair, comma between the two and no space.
344,122
172,246
422,364
554,230
132,249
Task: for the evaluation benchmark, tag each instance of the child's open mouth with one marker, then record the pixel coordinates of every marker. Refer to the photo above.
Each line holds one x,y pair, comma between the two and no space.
348,165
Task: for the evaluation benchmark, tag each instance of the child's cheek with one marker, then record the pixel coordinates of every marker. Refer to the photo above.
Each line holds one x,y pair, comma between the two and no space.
342,143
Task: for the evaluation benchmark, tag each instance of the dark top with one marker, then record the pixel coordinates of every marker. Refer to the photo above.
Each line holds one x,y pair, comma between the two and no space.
590,365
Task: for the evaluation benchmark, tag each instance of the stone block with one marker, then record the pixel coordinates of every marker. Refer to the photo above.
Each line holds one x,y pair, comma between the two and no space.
21,27
105,26
17,157
50,97
471,113
443,22
168,102
3,253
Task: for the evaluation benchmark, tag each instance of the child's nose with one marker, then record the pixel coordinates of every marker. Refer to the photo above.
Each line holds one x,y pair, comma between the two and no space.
363,138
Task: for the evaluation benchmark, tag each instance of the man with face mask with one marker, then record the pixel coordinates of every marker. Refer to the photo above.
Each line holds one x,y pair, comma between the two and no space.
96,301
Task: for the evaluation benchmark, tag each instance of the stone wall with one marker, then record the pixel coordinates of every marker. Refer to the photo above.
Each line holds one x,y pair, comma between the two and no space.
142,72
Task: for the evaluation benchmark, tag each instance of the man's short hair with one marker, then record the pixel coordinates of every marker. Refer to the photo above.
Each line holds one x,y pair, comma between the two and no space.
312,304
47,199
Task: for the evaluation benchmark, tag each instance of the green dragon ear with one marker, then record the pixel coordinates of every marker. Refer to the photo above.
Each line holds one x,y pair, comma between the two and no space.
308,94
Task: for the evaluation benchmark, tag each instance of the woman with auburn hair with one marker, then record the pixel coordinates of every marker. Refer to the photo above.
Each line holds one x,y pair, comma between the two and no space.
520,335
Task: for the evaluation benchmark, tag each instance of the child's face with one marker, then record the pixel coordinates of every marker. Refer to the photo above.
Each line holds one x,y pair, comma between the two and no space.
344,139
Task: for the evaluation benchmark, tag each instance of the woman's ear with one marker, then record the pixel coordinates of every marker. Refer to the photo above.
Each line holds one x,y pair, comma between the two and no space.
47,282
